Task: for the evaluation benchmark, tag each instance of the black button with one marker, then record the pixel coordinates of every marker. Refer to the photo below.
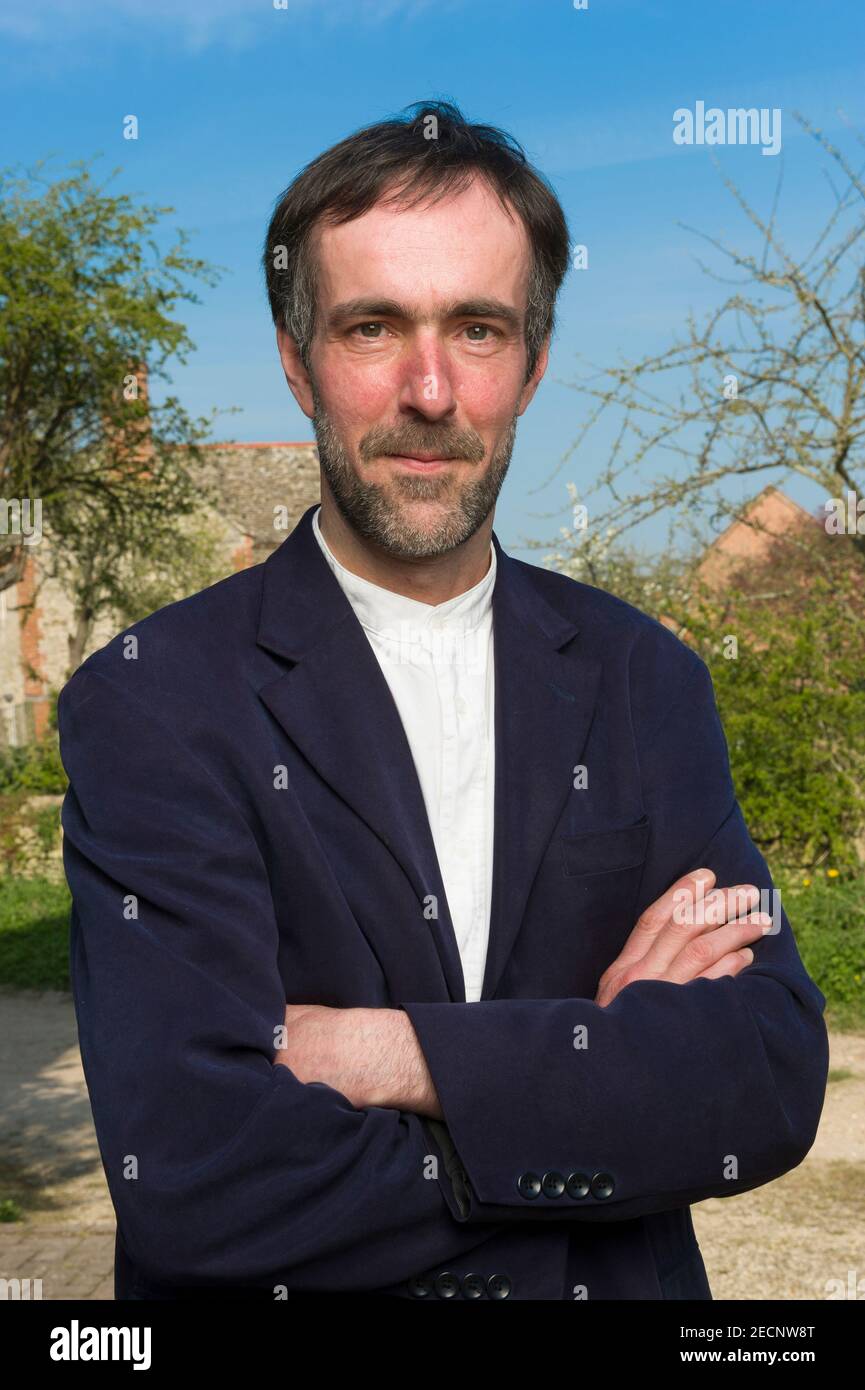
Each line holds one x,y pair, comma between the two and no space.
420,1286
473,1286
578,1185
529,1185
498,1286
602,1185
553,1184
447,1285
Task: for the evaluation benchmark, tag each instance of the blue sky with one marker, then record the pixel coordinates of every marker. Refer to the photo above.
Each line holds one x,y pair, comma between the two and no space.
234,97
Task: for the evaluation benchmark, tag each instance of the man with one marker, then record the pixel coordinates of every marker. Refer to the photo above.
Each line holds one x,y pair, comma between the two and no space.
396,955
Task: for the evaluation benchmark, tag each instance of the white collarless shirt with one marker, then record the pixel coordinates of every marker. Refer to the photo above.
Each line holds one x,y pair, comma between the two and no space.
438,662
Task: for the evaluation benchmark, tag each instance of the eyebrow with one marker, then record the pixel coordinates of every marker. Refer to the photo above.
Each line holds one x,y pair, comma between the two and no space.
371,309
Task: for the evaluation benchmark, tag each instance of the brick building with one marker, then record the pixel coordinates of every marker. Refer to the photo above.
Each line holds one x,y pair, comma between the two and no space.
262,491
751,540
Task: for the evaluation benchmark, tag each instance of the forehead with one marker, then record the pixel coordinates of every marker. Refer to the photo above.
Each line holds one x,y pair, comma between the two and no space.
464,244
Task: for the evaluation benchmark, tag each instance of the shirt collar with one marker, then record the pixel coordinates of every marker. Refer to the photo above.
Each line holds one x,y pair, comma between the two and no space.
378,609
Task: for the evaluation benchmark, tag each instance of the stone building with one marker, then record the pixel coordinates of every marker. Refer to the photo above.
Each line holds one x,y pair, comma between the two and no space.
262,491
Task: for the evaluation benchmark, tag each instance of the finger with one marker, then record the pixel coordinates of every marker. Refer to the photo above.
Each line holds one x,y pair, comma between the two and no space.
607,990
657,915
694,915
703,951
720,906
731,964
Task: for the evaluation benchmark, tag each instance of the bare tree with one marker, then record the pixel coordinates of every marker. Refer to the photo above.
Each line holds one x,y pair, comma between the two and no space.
774,379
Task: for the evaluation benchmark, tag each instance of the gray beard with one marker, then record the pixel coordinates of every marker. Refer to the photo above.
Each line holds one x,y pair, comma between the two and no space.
374,511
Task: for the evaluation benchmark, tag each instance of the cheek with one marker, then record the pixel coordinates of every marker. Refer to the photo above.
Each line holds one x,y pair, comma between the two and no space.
357,400
488,400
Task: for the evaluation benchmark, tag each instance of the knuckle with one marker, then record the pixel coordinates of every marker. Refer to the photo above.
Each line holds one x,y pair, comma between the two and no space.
684,929
753,925
730,964
652,919
700,952
714,908
742,899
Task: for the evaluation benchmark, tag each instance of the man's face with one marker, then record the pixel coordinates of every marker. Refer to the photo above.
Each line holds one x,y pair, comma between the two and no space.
418,367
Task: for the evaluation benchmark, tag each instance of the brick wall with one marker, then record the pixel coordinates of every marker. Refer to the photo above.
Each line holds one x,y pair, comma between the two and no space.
250,481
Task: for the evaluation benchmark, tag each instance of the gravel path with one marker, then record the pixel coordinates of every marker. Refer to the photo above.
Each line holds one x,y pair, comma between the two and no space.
785,1240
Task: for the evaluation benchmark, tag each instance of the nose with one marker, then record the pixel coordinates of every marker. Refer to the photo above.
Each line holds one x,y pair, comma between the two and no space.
426,387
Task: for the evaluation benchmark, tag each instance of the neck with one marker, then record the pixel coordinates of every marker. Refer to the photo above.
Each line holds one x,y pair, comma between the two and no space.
432,581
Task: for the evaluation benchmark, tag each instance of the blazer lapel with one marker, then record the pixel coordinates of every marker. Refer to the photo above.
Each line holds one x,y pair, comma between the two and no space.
545,693
336,707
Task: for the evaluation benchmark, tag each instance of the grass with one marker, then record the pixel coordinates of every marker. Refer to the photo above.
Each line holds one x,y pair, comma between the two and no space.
34,934
840,1074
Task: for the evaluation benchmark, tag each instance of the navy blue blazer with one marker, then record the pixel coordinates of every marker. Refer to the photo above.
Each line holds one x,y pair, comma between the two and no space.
244,827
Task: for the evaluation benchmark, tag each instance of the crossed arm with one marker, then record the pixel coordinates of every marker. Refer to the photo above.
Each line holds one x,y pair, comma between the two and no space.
373,1056
244,1170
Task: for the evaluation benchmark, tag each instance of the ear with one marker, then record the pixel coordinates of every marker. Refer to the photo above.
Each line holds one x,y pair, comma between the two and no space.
534,380
295,372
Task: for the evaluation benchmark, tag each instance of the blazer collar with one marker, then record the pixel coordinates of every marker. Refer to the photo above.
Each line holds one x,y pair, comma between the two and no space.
336,706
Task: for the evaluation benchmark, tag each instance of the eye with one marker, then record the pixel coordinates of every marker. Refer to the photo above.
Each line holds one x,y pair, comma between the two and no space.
482,328
372,338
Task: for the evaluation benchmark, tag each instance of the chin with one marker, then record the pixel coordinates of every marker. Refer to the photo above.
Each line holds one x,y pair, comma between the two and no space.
426,520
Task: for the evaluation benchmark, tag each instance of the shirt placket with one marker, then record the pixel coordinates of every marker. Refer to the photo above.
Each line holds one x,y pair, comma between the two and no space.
449,798
472,691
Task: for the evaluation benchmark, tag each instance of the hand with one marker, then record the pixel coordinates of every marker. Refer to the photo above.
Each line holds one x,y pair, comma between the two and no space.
688,934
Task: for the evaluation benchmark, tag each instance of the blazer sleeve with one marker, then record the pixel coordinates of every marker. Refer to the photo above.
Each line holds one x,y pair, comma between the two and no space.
223,1167
684,1091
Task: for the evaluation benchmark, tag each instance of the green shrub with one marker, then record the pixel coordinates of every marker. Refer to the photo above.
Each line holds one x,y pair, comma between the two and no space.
827,912
33,767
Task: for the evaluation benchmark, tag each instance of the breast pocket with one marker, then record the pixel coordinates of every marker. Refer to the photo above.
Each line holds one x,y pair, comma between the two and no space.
605,851
601,870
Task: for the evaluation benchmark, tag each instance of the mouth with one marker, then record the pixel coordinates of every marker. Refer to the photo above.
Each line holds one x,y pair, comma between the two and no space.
423,463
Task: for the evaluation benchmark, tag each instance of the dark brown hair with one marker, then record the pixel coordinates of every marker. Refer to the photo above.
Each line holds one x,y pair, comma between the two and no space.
424,154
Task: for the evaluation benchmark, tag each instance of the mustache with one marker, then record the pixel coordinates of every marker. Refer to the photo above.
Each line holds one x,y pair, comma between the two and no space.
430,439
